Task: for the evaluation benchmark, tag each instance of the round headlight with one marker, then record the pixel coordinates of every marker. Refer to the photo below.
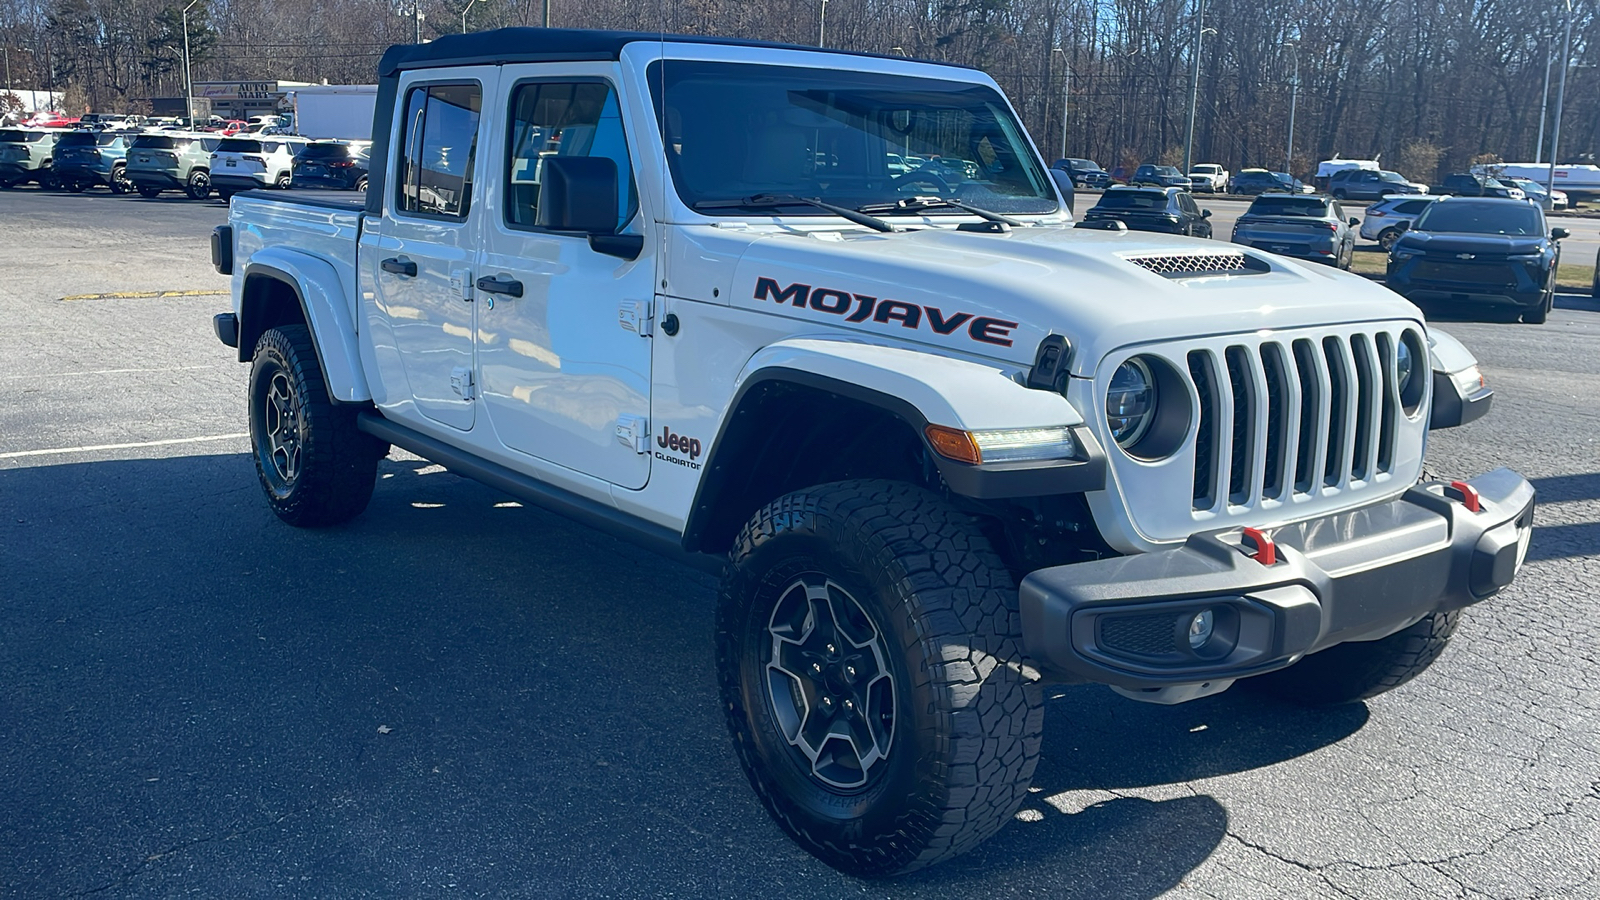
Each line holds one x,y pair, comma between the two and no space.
1403,364
1131,402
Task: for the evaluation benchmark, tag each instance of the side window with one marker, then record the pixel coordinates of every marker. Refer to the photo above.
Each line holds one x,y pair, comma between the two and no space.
563,119
1411,207
1186,203
437,149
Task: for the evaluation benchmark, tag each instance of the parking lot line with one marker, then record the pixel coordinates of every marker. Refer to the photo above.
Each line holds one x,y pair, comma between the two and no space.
142,295
111,372
18,454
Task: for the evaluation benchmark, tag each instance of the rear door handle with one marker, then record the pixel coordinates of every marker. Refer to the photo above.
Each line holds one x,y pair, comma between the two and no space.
510,287
399,266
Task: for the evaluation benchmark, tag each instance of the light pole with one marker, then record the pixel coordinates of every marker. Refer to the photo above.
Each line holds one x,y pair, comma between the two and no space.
464,15
1544,98
822,26
1066,95
1294,95
188,83
1194,80
1561,97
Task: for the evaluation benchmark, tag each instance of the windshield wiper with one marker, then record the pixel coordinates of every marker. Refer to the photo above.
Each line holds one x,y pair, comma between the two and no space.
918,204
764,201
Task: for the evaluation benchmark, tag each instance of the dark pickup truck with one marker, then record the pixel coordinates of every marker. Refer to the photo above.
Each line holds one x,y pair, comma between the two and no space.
1467,185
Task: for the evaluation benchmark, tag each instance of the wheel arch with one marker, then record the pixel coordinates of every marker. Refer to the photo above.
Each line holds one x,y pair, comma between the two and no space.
286,288
812,411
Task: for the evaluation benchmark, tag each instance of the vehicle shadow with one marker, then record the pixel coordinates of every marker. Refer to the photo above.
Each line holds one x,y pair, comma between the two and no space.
453,676
1556,488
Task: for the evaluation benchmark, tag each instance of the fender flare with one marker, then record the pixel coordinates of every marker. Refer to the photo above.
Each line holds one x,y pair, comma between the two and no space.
316,285
920,389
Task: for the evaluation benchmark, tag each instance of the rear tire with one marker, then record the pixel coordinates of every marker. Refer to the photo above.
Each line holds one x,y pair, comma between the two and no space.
1361,669
929,677
119,182
199,186
1387,237
315,467
282,181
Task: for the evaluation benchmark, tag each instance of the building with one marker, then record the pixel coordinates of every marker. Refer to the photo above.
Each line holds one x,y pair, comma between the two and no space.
243,99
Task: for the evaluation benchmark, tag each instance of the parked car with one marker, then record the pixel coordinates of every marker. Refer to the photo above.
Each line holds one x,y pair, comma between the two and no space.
85,159
1167,210
1313,228
1085,173
1161,176
1463,184
339,165
1367,184
172,161
1122,174
1253,181
47,119
1292,184
1385,220
27,154
1479,251
247,161
1209,177
1535,191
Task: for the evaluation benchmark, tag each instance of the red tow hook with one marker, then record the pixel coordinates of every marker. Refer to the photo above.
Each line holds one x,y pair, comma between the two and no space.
1467,494
1261,547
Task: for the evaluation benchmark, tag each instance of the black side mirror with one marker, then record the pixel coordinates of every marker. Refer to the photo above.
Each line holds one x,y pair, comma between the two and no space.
579,193
1205,213
1557,234
1354,221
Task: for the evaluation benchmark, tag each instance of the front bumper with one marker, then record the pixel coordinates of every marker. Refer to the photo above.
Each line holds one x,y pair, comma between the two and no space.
1501,284
1352,576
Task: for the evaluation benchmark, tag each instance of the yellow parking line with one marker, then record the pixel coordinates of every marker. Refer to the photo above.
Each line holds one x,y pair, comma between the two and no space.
142,295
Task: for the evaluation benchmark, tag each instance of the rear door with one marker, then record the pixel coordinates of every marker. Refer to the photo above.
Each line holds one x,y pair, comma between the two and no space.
423,255
564,377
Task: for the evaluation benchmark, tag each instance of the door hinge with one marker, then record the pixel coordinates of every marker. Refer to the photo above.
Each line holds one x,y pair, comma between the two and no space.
461,284
634,432
637,316
461,382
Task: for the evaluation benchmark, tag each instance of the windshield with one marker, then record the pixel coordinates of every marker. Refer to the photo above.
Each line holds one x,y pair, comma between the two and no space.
1288,206
1133,200
734,131
1491,182
1085,165
20,137
1392,177
159,142
1528,187
1206,169
326,151
1514,218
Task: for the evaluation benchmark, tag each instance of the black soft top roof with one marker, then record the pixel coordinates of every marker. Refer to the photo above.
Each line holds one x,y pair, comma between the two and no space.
511,45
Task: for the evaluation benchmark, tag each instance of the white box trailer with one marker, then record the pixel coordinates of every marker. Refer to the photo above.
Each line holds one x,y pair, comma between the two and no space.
1575,180
342,111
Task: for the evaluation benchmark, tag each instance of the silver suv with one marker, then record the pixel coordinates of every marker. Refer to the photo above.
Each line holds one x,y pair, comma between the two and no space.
1385,220
172,161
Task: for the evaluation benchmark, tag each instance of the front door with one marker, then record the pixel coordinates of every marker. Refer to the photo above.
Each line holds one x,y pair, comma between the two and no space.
424,255
562,378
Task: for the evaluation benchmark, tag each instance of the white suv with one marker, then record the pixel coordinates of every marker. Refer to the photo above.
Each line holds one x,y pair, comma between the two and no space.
247,162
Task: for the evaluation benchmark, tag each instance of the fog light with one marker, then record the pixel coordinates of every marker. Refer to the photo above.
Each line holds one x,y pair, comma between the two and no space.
1200,629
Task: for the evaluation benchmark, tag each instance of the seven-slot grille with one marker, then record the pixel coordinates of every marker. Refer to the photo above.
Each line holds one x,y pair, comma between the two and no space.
1290,416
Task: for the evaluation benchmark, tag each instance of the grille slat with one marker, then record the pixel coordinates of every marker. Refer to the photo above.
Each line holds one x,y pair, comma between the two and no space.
1284,418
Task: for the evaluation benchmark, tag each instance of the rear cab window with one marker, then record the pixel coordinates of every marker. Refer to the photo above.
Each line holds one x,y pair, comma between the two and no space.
436,154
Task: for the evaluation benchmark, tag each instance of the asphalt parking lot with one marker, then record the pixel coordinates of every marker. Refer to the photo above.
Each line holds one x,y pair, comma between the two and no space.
456,695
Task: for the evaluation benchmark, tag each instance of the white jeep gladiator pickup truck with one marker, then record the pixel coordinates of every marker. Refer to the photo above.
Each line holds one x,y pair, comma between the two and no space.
944,446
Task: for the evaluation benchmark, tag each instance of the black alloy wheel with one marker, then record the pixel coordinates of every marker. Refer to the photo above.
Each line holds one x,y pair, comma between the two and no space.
199,185
119,182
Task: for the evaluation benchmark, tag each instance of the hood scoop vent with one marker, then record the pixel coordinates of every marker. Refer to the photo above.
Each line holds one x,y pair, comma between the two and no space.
1196,265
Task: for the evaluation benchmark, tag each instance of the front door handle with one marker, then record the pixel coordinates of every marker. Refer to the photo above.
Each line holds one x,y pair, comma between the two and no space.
509,287
399,266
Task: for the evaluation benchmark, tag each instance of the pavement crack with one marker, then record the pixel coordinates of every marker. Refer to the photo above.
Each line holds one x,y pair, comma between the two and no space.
149,861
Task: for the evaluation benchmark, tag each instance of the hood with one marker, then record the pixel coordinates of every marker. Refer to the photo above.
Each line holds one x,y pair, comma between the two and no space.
998,295
1445,242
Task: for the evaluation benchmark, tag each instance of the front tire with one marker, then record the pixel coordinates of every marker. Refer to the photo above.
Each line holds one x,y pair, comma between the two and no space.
1387,237
119,183
869,652
315,467
199,186
1360,670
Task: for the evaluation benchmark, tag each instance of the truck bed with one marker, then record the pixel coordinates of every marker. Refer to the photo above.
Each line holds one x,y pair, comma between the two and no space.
321,224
